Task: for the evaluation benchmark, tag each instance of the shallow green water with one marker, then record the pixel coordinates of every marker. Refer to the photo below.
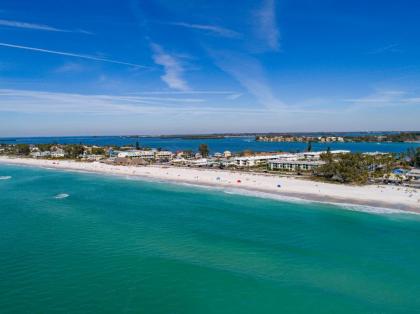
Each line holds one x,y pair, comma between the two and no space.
123,246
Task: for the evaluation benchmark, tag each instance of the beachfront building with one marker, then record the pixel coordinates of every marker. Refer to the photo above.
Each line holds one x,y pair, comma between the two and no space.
227,154
179,161
39,154
294,165
317,155
144,154
202,162
310,155
164,155
251,161
129,154
124,161
290,156
147,154
414,176
92,157
395,178
58,153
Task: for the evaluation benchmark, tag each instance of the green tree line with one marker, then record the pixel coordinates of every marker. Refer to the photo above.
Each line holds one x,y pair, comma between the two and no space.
355,168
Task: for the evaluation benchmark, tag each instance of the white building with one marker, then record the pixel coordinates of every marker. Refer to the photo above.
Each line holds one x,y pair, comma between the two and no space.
227,154
164,155
290,156
179,161
310,155
254,160
93,157
129,154
414,177
144,154
41,154
414,174
294,165
374,153
58,153
200,162
339,151
317,155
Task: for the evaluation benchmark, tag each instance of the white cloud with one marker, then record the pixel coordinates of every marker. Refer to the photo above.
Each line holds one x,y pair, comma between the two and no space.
388,48
40,27
203,92
46,102
70,54
173,69
30,101
266,25
384,98
250,74
233,96
221,31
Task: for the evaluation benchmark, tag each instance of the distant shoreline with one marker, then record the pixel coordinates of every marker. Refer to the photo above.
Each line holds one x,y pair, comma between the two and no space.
218,135
384,196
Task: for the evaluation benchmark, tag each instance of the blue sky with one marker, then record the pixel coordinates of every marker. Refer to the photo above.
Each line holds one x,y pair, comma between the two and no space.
171,67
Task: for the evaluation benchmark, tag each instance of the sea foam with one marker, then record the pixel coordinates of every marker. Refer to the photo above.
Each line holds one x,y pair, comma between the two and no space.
291,199
5,177
297,200
61,196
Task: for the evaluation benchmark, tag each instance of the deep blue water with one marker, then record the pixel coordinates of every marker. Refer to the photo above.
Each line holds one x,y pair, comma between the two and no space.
234,144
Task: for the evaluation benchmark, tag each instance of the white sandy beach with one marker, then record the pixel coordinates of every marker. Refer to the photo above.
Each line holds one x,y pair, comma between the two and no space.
386,196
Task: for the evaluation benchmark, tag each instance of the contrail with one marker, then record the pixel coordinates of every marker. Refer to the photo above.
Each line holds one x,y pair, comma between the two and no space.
70,54
40,27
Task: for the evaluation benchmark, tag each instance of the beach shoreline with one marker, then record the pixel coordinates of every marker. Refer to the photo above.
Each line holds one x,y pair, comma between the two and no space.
266,185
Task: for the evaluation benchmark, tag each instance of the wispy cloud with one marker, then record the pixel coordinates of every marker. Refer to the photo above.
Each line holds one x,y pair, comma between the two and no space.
192,92
40,27
266,25
173,69
33,101
233,96
388,48
70,54
218,30
384,98
40,102
250,74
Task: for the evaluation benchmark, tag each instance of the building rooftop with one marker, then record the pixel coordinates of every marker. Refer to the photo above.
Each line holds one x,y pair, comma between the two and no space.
296,162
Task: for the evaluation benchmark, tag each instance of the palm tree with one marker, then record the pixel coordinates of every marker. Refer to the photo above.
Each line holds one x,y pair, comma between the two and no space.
204,150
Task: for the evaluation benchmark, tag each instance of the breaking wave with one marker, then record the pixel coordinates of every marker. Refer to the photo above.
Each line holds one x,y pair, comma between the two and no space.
61,196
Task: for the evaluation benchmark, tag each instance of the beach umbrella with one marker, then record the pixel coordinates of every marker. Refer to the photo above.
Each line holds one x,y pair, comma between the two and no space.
239,181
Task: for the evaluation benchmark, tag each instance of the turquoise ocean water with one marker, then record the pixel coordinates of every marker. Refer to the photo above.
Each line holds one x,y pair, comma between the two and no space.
85,243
